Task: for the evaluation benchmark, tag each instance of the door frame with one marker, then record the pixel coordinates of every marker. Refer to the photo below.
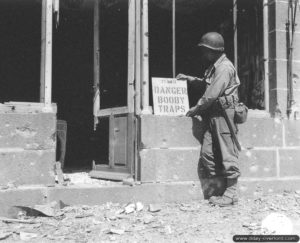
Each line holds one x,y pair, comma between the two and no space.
113,171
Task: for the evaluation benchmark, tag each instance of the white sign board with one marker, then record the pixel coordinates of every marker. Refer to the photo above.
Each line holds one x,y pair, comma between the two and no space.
170,97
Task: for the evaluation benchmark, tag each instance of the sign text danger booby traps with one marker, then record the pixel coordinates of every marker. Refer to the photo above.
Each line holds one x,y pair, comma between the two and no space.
170,97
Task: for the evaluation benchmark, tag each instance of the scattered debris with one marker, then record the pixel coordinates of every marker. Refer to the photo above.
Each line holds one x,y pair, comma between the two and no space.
128,181
4,235
130,208
139,206
148,218
168,229
110,215
51,209
154,208
4,187
175,222
26,236
22,221
117,231
84,215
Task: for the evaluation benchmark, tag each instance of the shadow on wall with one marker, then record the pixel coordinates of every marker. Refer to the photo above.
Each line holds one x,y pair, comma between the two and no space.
210,186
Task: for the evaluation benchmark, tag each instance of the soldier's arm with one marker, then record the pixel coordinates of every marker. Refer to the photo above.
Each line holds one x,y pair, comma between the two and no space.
181,76
220,81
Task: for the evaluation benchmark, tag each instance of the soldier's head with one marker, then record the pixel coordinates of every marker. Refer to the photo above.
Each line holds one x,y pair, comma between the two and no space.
211,46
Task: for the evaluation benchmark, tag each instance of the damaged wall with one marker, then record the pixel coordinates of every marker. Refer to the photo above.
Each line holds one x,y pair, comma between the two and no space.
170,149
27,146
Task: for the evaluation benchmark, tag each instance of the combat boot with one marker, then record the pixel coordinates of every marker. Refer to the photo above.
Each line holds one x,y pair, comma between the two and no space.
229,197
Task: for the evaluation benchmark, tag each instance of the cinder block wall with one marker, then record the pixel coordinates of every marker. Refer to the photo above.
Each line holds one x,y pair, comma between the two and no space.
170,148
27,148
278,12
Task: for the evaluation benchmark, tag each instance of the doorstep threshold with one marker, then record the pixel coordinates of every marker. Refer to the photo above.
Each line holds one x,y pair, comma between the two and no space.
108,175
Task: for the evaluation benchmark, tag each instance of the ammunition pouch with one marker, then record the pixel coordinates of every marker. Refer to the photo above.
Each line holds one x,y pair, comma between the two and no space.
240,109
240,113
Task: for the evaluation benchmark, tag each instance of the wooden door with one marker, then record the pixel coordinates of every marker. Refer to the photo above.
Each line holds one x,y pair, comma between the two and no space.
122,121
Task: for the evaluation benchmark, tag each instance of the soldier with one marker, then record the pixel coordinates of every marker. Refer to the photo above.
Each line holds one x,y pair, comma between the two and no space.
219,152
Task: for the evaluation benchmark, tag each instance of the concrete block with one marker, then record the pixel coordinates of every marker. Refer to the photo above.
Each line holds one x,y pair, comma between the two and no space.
20,197
278,74
258,163
34,131
166,132
146,193
292,132
253,189
27,167
289,162
281,50
169,165
260,132
281,14
181,165
278,96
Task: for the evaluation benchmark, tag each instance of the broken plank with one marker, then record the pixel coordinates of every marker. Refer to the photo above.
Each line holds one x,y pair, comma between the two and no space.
9,220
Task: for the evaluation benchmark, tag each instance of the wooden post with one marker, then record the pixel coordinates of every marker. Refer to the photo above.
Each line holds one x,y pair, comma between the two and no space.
131,56
266,52
235,34
48,54
43,52
96,103
138,57
174,38
145,59
137,83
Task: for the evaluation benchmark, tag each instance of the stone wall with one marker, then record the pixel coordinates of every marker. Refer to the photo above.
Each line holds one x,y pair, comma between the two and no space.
170,148
278,12
27,148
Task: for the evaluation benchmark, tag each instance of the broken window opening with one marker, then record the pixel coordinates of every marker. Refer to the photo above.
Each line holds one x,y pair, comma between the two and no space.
20,48
250,53
195,18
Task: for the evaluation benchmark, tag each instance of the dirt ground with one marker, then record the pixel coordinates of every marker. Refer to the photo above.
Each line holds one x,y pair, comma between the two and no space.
169,222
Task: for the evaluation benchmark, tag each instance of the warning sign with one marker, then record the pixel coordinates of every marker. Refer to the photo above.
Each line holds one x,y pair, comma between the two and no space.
170,97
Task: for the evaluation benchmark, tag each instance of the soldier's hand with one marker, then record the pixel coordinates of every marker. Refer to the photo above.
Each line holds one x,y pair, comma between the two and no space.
182,76
193,111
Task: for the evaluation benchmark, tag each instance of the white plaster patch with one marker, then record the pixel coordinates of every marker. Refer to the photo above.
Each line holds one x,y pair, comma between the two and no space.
266,169
254,135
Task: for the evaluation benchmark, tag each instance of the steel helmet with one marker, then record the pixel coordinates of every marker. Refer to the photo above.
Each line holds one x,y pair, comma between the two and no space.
212,40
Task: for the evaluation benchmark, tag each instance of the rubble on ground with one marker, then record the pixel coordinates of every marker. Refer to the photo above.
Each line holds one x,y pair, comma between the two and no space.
196,221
